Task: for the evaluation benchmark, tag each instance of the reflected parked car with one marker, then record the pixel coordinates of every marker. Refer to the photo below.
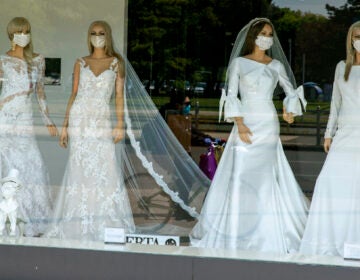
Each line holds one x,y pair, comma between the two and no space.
313,92
200,88
166,86
150,86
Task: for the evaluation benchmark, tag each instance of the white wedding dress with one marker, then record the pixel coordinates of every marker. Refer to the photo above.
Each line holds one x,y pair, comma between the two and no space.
18,147
254,202
334,217
93,195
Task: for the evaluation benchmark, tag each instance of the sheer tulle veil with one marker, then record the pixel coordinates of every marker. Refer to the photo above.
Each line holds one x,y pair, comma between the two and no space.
159,174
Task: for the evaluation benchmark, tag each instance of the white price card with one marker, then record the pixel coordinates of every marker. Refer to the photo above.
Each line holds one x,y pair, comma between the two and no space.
351,251
114,235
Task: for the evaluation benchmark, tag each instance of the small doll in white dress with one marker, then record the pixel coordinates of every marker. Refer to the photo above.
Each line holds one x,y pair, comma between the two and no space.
9,206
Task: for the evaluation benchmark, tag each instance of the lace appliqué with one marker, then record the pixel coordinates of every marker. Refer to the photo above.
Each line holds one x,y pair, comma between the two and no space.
18,147
94,190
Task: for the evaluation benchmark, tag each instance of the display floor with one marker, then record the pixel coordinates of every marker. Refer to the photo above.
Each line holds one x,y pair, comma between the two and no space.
41,258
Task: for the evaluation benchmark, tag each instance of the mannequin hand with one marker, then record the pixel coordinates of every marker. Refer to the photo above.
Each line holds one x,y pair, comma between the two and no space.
52,130
244,133
118,134
288,117
63,141
327,144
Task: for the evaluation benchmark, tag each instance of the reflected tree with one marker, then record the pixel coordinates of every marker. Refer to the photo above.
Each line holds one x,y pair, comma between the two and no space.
178,39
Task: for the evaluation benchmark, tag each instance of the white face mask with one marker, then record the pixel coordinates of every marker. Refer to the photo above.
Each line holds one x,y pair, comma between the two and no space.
22,39
264,43
356,44
98,41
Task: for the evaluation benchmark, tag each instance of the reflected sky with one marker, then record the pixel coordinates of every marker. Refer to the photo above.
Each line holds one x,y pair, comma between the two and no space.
314,6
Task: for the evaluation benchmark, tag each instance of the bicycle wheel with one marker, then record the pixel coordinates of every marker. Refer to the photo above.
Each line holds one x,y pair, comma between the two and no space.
152,207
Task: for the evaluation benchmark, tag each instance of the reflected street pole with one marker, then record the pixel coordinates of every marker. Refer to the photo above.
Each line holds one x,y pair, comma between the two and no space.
227,35
303,68
290,55
151,65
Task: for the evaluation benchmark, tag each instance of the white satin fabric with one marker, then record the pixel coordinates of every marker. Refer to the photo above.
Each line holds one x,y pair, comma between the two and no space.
334,217
254,202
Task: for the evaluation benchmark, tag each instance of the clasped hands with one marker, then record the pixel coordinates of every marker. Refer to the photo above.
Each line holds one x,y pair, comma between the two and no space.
245,132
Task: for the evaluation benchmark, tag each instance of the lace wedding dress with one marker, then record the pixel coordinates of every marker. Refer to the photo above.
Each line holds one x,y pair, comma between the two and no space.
18,147
93,195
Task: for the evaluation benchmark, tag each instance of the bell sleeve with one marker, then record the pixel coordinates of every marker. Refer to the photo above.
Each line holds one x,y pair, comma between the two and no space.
233,106
38,79
293,96
335,106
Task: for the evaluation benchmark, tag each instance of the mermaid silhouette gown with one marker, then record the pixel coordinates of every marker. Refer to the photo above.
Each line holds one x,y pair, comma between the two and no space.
93,195
18,146
254,202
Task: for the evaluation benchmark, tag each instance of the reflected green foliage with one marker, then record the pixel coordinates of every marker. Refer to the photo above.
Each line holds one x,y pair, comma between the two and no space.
317,42
192,40
180,39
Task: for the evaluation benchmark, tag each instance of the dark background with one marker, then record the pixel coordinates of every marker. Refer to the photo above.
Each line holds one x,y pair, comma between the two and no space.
191,40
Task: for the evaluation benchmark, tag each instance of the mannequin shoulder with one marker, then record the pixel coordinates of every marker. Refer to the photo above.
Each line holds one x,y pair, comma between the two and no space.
341,64
38,56
340,68
276,63
38,60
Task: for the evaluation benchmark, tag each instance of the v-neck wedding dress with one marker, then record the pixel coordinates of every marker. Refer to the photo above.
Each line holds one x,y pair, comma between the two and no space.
93,195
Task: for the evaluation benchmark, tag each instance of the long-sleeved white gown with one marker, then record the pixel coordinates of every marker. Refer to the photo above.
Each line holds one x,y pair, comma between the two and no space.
254,202
18,147
334,216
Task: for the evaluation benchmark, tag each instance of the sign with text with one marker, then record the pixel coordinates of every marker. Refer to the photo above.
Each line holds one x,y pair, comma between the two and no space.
147,239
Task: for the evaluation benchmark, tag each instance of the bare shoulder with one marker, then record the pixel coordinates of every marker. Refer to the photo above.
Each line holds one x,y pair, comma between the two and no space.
84,59
78,63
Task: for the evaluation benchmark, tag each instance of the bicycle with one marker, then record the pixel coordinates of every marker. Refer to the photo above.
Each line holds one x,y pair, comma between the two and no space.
151,203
